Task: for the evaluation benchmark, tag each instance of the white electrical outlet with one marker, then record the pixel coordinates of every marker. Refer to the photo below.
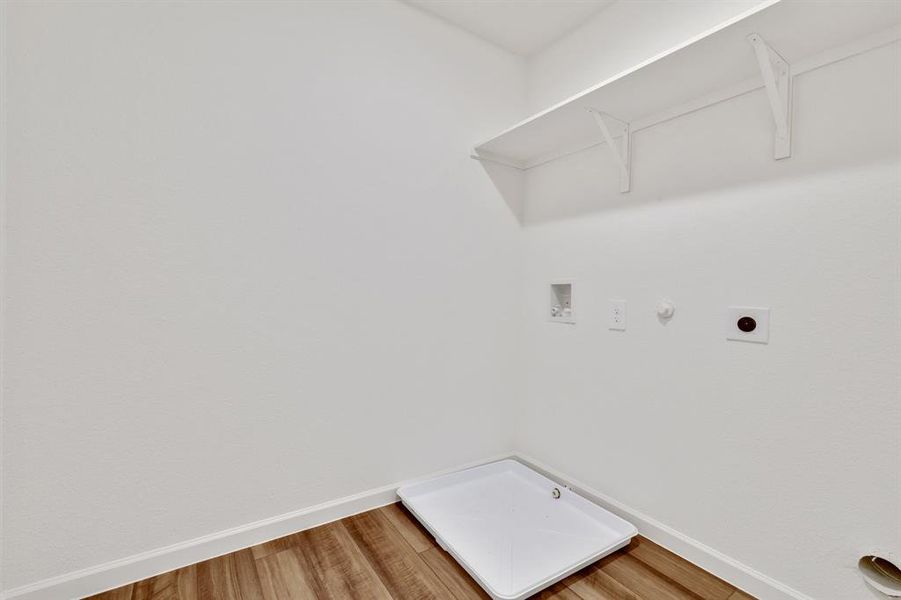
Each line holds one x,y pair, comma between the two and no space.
617,315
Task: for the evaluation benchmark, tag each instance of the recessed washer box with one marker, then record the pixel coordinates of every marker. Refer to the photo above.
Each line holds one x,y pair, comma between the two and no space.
561,303
514,530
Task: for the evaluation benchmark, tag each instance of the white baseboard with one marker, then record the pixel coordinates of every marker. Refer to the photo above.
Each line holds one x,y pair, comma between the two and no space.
736,573
86,582
147,564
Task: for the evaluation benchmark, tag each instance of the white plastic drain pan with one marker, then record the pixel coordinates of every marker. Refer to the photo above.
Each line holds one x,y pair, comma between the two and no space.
503,523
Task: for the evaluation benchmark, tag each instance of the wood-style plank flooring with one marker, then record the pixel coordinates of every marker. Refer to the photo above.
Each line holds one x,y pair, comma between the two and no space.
385,554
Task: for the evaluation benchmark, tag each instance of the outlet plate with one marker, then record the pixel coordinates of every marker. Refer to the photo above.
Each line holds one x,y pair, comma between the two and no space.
616,313
747,317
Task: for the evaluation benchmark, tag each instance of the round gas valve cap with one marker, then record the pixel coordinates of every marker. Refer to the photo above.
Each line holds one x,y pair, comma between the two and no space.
747,324
665,309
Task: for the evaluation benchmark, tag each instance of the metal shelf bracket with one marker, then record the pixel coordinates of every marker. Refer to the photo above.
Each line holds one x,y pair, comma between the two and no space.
622,152
777,79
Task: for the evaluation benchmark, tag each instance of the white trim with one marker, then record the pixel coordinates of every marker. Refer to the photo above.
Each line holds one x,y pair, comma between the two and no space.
120,572
736,573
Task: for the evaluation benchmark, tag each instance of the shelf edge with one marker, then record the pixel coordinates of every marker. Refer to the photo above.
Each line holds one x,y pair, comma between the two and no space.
690,41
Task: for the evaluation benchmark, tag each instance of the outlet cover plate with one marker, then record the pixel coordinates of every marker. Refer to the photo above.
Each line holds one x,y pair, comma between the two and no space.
616,312
761,317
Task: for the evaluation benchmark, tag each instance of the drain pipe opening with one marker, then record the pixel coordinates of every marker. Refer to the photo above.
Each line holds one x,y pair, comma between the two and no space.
883,575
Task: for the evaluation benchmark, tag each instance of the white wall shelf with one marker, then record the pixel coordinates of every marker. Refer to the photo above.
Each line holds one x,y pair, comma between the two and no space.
760,49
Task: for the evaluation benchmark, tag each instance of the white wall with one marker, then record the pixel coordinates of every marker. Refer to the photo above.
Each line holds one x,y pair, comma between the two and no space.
783,456
250,266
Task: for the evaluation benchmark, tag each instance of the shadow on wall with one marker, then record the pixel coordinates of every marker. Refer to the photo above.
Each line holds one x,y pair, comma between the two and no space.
510,184
725,145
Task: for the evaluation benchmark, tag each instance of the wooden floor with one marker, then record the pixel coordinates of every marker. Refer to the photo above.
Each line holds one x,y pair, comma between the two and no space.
384,554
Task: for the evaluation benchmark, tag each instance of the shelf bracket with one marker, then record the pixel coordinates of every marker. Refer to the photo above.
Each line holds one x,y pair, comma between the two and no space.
622,152
777,80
